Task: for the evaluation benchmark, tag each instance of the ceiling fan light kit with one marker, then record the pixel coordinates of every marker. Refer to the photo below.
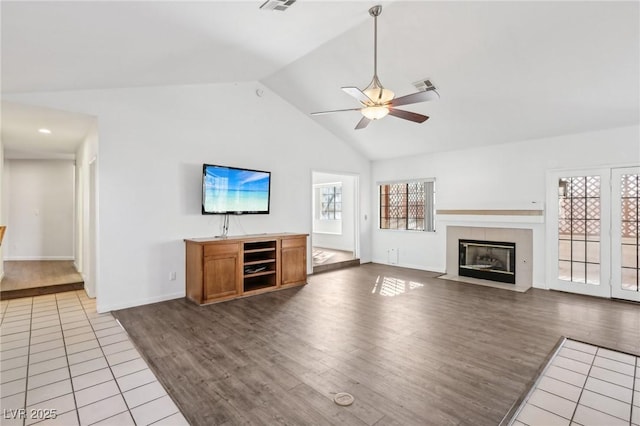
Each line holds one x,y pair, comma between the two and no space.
378,102
375,112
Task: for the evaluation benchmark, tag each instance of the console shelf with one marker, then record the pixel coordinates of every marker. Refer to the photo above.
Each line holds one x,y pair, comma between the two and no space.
260,250
258,262
227,268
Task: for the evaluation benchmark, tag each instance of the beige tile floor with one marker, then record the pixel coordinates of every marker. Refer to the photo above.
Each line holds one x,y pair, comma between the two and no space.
62,363
585,385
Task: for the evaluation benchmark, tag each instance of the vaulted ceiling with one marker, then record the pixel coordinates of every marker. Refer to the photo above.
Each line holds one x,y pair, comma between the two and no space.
506,71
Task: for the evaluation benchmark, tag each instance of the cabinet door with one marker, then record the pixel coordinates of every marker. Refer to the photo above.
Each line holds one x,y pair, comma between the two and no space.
221,275
294,261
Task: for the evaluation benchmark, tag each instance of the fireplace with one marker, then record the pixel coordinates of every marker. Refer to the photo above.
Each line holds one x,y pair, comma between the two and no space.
489,260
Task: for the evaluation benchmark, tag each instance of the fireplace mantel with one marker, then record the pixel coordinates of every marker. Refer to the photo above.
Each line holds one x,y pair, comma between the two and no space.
495,212
491,215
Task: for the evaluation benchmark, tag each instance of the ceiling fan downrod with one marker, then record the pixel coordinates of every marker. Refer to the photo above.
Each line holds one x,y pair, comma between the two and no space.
375,11
375,90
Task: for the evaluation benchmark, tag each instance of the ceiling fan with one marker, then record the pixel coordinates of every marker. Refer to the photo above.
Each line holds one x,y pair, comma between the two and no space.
377,101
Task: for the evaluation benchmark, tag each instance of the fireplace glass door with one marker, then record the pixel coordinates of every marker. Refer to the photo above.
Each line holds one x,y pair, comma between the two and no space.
488,260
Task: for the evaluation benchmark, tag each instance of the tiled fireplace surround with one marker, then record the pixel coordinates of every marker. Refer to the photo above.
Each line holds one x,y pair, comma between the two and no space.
523,238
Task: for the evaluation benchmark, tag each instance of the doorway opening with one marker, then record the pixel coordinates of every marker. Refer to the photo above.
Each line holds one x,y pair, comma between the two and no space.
334,239
45,199
39,246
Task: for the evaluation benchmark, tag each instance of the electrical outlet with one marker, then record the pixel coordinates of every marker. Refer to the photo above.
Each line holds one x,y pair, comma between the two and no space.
172,276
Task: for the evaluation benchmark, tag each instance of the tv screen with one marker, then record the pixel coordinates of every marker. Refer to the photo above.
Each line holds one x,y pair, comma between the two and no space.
231,190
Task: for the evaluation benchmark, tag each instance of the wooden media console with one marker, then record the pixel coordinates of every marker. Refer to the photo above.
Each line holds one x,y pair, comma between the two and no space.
227,268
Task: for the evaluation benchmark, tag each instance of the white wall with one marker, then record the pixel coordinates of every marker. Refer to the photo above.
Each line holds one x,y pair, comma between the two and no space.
152,144
337,234
510,176
40,209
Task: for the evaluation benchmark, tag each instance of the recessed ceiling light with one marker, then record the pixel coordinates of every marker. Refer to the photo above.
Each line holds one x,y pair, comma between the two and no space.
45,131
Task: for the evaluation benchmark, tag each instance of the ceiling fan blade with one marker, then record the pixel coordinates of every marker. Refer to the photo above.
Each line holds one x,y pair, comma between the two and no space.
335,110
364,122
358,94
407,115
429,95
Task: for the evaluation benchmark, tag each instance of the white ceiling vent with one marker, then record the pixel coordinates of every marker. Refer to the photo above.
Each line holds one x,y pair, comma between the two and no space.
280,5
424,85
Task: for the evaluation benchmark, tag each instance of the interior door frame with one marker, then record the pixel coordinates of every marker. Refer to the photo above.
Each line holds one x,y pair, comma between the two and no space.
616,235
356,214
93,290
551,219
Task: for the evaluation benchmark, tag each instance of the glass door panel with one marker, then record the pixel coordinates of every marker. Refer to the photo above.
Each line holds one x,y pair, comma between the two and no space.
577,245
625,236
579,229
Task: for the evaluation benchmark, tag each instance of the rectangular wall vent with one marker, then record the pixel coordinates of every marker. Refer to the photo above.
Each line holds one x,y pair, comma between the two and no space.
392,256
424,85
280,5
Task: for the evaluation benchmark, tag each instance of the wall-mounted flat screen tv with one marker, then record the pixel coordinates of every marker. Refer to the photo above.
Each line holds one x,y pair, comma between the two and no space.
232,190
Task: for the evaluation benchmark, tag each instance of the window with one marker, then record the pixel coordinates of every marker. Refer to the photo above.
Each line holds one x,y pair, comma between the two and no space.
407,205
331,202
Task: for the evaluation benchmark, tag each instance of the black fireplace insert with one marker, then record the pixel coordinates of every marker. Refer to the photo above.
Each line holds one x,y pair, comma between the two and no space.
488,260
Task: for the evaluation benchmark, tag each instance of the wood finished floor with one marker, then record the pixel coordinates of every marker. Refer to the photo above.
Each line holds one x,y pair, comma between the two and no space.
330,260
333,256
412,349
25,274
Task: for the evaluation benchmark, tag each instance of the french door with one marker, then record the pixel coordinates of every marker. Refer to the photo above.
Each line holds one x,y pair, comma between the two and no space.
578,223
592,229
624,233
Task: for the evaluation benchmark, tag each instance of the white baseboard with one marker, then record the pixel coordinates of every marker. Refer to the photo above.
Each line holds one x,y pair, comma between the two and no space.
90,295
429,268
102,308
337,247
11,258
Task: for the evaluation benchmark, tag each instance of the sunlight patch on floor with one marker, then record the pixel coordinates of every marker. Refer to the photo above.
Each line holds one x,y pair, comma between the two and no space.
390,286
